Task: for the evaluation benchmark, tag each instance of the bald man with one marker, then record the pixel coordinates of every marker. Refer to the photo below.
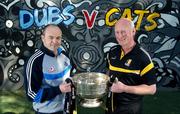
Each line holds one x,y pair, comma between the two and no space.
46,72
133,70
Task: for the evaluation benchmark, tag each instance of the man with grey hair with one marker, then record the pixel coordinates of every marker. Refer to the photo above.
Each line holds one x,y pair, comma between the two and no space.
132,69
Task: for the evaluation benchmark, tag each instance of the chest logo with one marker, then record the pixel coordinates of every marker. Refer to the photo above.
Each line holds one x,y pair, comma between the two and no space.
65,64
51,69
128,62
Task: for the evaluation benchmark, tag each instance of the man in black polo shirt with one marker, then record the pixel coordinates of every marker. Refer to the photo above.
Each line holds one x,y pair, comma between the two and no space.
133,69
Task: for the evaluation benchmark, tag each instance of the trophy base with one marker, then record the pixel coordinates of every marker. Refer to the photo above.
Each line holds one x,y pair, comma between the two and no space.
90,103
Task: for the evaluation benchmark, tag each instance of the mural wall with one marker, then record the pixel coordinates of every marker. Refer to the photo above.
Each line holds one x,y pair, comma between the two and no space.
88,33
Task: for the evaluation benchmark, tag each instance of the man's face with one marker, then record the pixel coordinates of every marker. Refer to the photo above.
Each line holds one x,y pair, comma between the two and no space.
124,33
52,38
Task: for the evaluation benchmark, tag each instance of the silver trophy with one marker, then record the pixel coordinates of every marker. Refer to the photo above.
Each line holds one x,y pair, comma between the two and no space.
91,87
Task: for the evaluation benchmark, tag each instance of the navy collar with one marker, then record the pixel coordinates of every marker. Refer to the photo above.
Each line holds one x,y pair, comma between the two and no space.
49,52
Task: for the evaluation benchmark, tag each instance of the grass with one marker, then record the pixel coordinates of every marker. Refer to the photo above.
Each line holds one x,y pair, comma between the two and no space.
14,103
163,102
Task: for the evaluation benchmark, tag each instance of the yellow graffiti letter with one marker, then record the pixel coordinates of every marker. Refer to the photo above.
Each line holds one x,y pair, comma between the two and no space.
108,15
150,19
141,15
127,14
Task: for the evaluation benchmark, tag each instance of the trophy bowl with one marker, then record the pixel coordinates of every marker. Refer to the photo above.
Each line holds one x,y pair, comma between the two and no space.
90,87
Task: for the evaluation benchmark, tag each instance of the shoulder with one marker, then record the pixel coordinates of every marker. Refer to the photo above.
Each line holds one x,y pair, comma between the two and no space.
36,56
115,48
64,53
114,51
143,55
61,51
37,53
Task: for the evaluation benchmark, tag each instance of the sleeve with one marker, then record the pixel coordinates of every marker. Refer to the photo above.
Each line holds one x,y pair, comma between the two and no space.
148,71
107,59
112,53
45,94
34,77
109,54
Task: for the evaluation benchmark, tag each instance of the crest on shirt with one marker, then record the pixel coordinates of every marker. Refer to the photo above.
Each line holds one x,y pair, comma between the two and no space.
65,64
51,69
128,62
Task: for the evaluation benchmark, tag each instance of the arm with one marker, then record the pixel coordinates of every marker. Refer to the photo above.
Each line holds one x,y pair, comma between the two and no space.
148,86
51,92
143,89
33,78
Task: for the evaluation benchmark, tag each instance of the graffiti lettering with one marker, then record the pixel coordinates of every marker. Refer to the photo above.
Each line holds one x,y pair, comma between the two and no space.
90,19
53,15
150,18
50,15
108,15
128,14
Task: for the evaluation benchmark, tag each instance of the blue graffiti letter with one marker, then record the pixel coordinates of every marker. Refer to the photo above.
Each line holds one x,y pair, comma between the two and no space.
42,15
26,19
66,13
54,16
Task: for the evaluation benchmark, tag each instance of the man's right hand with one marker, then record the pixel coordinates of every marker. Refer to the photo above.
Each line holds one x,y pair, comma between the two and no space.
65,87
